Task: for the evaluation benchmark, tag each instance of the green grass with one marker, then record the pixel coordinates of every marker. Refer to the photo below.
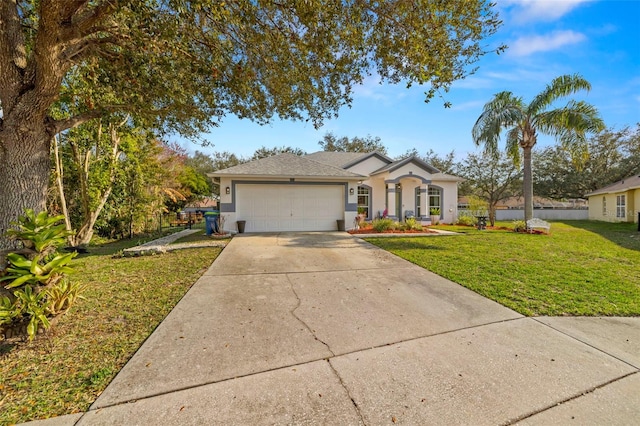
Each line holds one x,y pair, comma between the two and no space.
581,268
65,370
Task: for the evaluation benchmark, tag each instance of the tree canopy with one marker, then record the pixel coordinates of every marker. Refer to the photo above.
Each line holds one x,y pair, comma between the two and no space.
331,142
183,65
522,122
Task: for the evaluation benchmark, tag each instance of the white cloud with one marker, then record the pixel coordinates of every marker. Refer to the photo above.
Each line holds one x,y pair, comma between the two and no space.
525,46
540,10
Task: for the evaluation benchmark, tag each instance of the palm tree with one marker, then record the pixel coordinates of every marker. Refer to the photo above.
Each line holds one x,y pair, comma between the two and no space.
567,124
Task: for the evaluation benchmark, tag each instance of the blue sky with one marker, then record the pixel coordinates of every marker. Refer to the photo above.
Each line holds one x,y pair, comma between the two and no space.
598,39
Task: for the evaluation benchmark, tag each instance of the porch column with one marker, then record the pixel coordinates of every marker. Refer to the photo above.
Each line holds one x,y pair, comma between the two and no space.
424,201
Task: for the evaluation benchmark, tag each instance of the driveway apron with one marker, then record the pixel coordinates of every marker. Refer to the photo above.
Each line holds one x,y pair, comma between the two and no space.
324,328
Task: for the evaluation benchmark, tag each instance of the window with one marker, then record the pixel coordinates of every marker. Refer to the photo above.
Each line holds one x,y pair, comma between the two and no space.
604,206
418,209
621,206
434,198
363,200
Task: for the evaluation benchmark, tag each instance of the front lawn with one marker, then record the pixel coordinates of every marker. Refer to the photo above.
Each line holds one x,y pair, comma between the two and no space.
126,298
581,268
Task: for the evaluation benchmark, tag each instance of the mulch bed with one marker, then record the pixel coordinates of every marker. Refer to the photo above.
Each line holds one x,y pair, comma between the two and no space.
390,231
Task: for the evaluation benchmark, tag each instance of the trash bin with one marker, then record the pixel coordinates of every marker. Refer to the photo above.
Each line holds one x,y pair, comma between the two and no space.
241,224
340,223
211,222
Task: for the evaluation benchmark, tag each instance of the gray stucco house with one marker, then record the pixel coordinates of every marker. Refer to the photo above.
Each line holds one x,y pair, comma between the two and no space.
287,192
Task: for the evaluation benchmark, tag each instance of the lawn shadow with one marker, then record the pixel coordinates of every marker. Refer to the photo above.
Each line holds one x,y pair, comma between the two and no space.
625,235
399,243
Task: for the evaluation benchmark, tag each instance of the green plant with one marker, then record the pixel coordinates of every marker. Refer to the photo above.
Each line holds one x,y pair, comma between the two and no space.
434,211
31,304
34,271
37,274
413,224
519,226
39,232
361,210
465,219
384,224
63,295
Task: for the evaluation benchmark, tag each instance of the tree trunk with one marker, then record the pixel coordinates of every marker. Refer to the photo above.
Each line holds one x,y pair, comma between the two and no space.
527,184
24,174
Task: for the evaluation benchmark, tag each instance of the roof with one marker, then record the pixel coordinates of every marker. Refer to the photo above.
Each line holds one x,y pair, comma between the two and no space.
632,182
287,165
336,159
412,159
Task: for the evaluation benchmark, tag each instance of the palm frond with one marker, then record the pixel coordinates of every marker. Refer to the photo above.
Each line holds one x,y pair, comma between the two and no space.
558,88
513,145
571,122
503,111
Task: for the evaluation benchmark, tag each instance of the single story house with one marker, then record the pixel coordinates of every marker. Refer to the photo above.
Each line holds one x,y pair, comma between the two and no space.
618,202
288,192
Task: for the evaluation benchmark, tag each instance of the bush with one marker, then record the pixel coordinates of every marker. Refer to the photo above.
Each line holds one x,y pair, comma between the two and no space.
385,224
519,226
466,220
36,276
413,225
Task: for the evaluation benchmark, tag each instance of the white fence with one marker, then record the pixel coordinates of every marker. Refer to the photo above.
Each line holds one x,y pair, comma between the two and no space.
546,214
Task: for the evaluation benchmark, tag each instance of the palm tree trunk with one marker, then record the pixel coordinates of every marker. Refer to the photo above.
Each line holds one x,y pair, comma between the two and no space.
528,184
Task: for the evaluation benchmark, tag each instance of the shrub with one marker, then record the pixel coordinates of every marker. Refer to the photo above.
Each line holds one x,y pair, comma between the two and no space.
466,220
519,226
37,274
384,224
434,211
413,225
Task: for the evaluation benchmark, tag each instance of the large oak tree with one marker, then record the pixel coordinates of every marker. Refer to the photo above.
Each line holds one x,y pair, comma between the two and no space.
182,65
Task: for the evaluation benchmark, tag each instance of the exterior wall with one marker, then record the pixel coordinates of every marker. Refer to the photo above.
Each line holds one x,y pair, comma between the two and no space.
449,211
636,205
368,166
227,201
632,206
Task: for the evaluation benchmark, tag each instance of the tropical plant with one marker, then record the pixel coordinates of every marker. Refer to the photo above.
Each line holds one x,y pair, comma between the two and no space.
413,224
434,211
36,275
523,122
466,219
381,225
519,226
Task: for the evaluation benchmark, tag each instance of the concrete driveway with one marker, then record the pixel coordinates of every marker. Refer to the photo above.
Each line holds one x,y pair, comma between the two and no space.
324,328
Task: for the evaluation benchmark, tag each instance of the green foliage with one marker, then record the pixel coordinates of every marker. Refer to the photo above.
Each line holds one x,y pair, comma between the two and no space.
37,275
466,220
356,144
36,271
62,295
412,224
478,206
39,232
612,156
434,211
519,226
383,224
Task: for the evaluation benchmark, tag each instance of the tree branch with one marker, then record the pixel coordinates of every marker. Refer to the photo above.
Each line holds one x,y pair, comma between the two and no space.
58,126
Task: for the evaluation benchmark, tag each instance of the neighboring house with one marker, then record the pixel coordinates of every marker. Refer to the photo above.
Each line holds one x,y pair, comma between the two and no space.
618,202
287,192
206,204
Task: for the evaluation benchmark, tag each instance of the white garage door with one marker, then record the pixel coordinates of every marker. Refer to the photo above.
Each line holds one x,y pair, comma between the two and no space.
272,208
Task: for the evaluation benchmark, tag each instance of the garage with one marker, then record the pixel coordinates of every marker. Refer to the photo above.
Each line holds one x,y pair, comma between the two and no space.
289,207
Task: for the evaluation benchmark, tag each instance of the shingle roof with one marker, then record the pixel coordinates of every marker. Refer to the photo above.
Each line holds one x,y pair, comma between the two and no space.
286,165
336,159
632,182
